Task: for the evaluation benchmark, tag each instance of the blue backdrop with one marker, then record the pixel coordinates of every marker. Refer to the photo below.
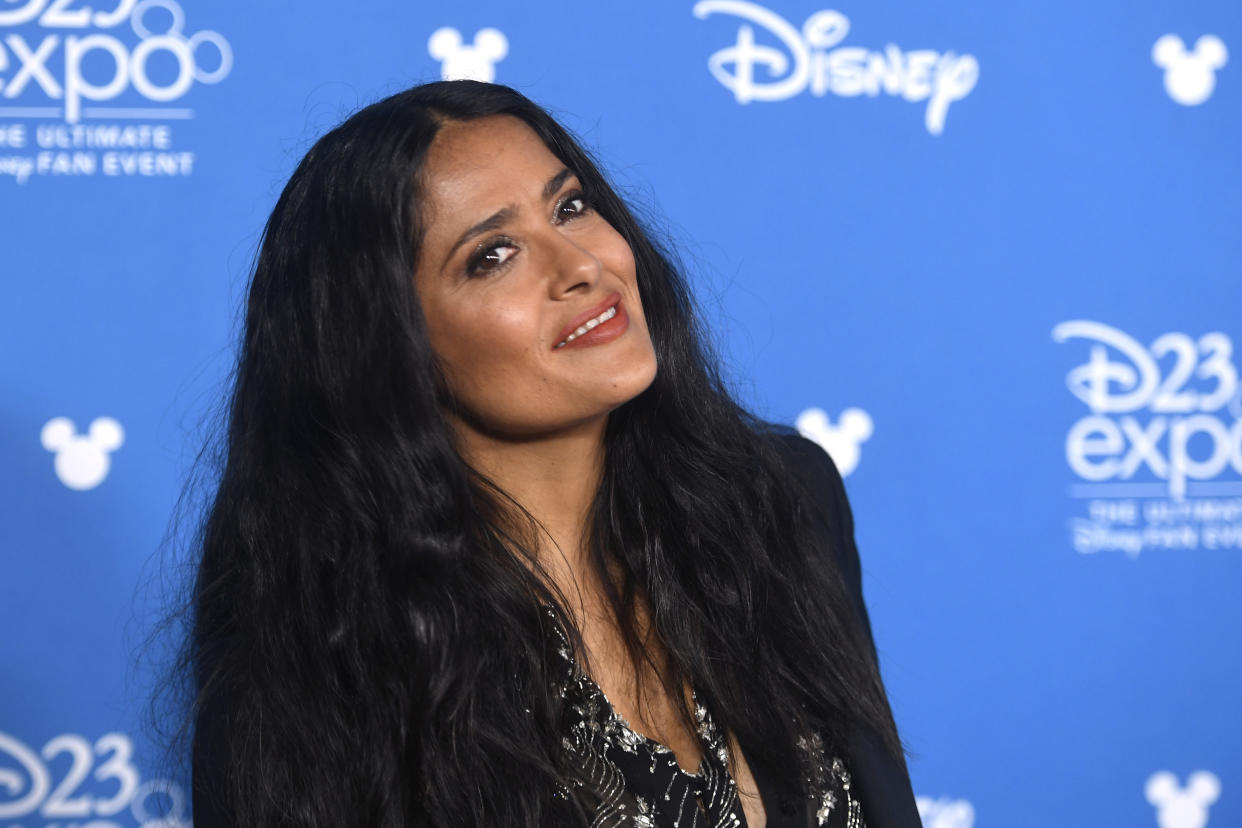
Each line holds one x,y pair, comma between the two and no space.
986,253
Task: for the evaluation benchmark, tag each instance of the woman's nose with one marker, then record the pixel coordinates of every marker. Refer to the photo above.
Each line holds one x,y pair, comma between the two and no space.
574,265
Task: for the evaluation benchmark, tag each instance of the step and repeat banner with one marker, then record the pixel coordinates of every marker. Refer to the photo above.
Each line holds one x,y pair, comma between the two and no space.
986,254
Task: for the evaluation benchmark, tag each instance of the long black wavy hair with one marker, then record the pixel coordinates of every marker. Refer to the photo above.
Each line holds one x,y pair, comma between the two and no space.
370,643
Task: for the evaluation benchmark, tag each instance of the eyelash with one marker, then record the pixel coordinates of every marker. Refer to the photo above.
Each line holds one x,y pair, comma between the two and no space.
478,264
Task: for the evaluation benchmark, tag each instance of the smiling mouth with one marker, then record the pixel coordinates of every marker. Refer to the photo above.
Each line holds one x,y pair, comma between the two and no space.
588,325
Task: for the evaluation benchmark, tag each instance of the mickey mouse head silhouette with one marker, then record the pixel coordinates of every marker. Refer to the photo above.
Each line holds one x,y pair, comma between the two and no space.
1182,808
945,812
842,441
1189,77
474,62
82,461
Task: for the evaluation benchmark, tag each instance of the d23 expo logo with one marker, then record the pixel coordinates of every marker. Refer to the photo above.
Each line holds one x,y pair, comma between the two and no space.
1158,455
91,91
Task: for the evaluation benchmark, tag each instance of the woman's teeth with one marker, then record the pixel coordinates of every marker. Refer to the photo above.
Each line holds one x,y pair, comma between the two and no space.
590,324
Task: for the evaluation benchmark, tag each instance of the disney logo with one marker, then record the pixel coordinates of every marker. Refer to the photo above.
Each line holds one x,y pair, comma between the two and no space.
806,58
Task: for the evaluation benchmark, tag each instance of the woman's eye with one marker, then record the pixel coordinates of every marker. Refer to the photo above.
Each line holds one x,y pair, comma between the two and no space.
573,206
490,258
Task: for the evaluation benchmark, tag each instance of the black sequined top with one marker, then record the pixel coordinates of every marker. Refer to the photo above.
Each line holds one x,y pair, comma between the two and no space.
628,779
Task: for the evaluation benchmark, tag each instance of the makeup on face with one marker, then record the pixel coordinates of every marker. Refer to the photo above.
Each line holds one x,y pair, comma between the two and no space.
530,295
603,323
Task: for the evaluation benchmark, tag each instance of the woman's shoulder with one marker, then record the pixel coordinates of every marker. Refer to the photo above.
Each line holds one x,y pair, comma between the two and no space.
806,458
812,471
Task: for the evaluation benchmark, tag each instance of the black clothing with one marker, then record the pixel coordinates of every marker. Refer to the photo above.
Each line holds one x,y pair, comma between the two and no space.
631,780
882,782
865,783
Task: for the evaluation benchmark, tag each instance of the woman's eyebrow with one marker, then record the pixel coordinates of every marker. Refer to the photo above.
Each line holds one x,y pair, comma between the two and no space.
555,182
498,218
492,222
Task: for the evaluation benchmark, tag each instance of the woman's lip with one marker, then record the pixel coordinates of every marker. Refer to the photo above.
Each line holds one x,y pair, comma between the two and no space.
612,299
603,332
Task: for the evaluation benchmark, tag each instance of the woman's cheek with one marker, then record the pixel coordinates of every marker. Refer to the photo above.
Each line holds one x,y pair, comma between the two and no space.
510,332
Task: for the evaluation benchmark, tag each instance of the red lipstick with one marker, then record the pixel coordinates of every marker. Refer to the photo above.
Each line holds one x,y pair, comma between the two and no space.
609,321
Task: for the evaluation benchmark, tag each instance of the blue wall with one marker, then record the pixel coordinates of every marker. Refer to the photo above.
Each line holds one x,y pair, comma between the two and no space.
986,253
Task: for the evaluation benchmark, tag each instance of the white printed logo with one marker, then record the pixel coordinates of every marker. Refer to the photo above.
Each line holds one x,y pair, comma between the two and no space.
82,58
807,58
945,812
1178,807
843,442
1189,77
117,785
128,66
1101,447
1160,453
82,460
474,62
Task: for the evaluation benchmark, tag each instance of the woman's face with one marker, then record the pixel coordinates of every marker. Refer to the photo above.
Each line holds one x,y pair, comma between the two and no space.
530,296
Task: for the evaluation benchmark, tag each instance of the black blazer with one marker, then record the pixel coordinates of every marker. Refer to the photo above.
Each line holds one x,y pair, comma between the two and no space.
883,784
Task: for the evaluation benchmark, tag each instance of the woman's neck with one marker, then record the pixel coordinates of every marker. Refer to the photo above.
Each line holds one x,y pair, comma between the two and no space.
555,478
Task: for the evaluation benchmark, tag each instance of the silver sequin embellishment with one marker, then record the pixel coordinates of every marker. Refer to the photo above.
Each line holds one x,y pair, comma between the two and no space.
597,730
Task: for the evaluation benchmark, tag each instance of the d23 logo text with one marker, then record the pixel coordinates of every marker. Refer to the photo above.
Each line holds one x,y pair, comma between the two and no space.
28,785
54,64
1180,424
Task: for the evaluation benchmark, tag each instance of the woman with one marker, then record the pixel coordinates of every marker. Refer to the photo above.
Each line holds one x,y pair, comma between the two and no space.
493,545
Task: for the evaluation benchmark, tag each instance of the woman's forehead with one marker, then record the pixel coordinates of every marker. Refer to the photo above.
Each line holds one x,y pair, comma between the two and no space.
481,172
494,157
